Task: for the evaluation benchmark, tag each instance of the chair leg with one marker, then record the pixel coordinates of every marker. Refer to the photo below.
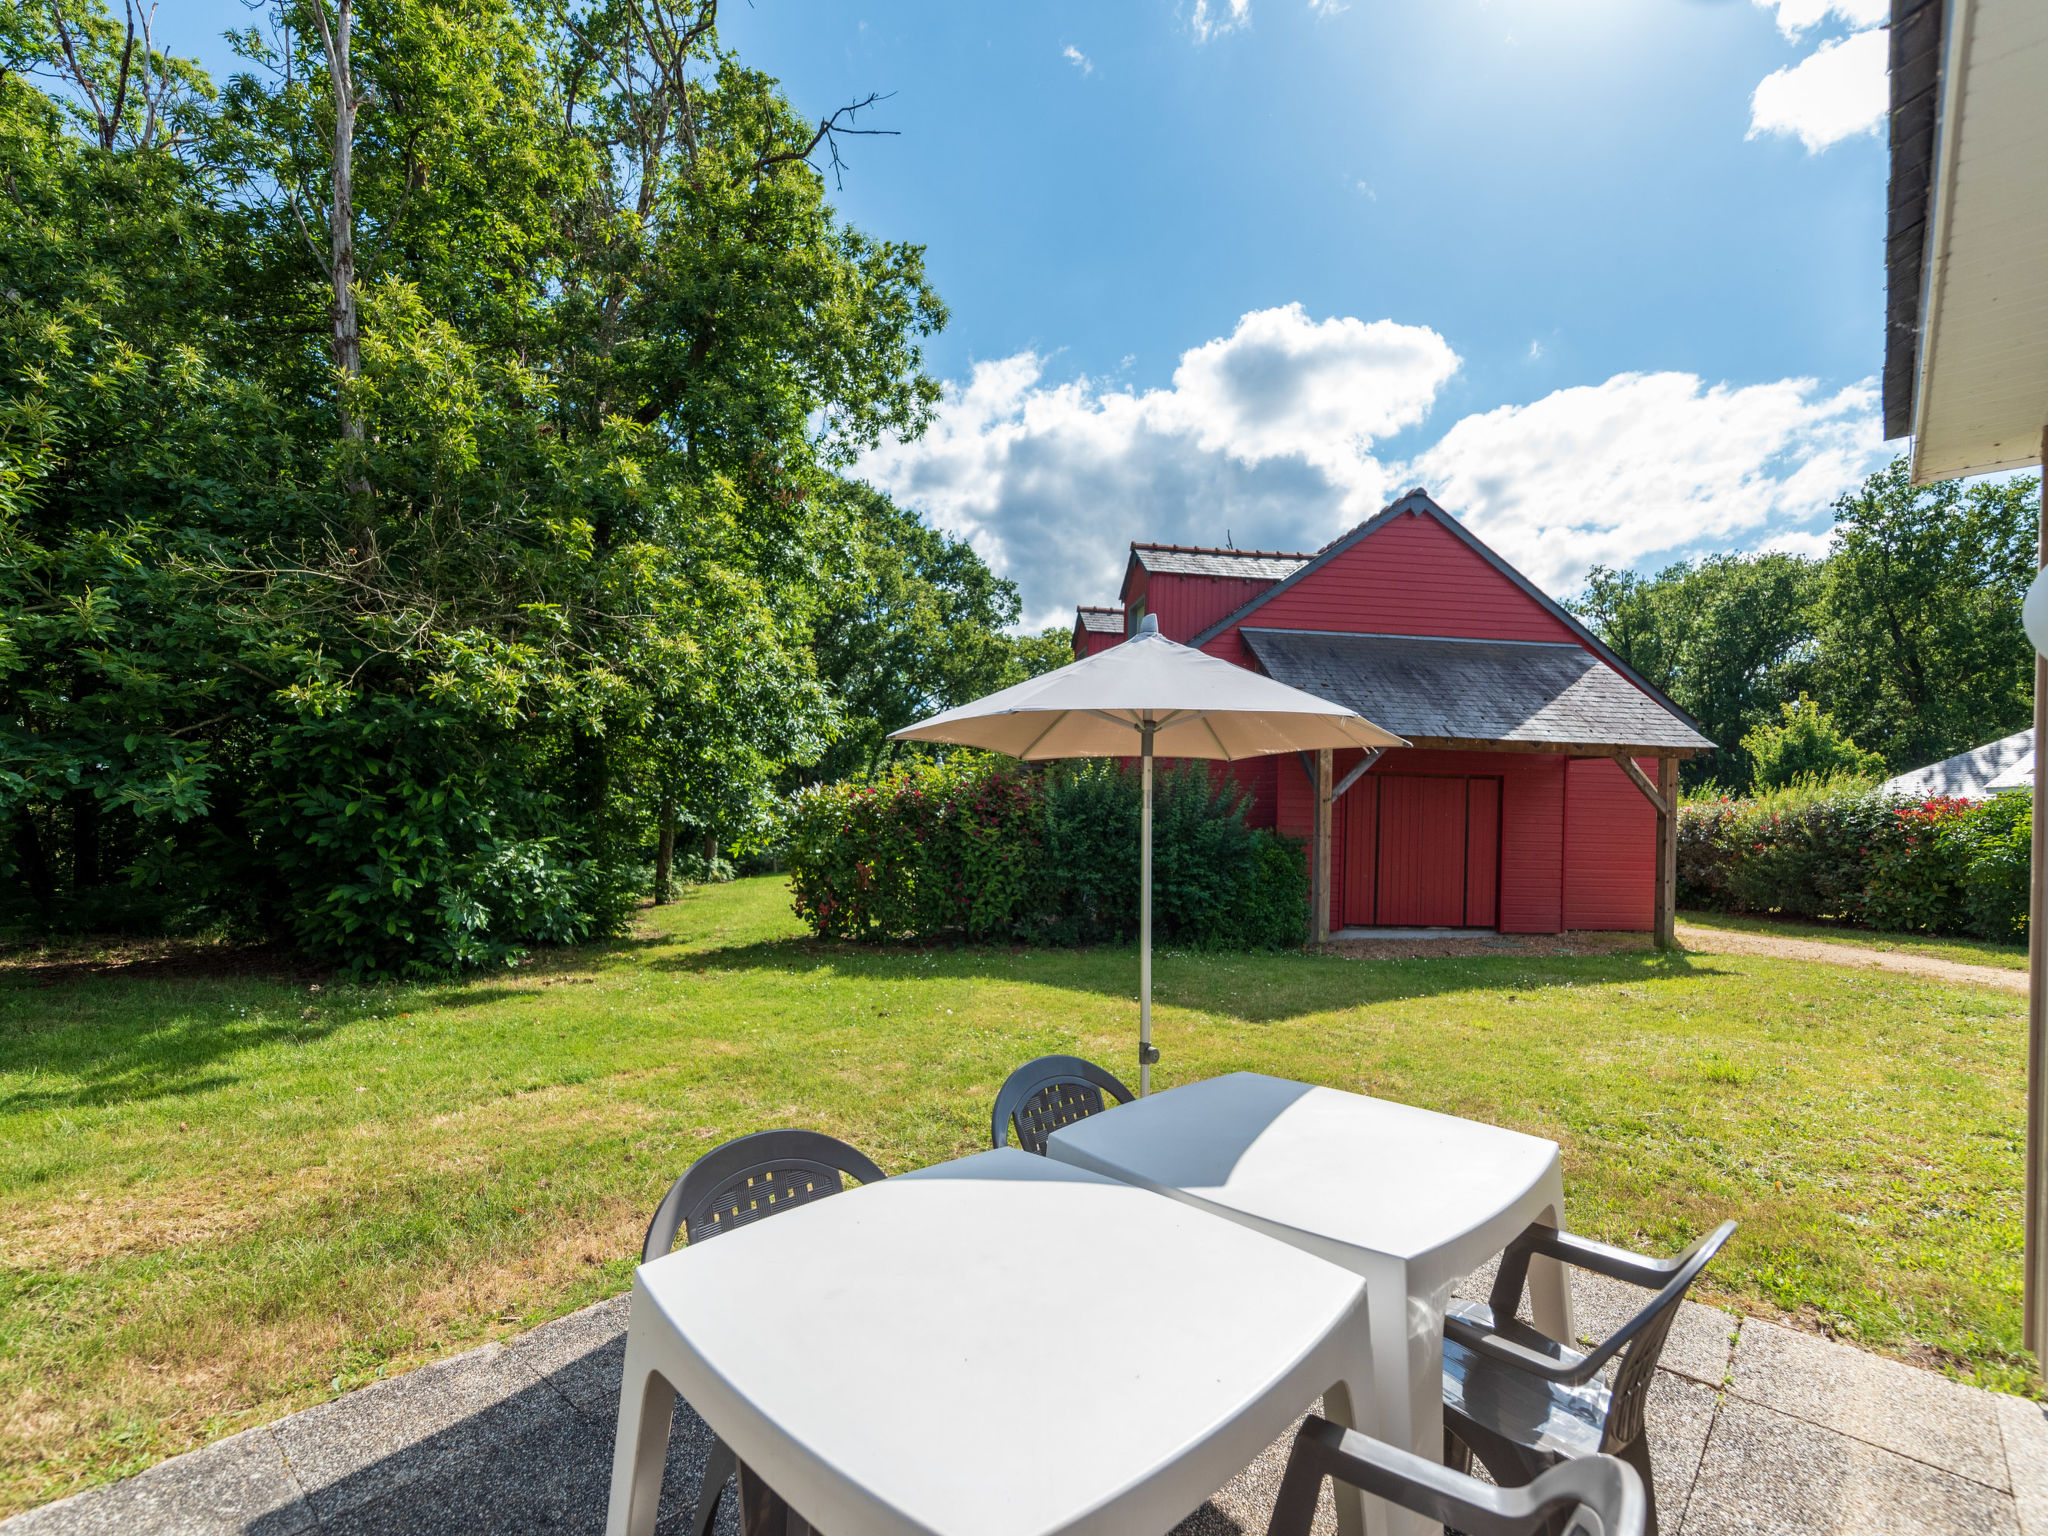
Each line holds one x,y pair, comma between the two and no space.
1637,1455
718,1470
763,1512
1457,1454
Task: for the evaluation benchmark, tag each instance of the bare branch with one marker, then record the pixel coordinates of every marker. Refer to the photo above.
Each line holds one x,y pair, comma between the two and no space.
828,133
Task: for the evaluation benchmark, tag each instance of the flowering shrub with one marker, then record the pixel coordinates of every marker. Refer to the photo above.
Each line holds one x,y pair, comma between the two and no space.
986,847
1840,850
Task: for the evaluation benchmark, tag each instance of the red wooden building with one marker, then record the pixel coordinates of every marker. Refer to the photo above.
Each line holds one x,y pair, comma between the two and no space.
1535,796
1096,629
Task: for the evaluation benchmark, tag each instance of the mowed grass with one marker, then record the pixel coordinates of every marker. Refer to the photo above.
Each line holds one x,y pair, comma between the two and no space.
2008,957
223,1200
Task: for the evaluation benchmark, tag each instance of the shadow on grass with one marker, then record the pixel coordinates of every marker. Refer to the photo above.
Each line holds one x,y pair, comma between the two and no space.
1255,987
93,1061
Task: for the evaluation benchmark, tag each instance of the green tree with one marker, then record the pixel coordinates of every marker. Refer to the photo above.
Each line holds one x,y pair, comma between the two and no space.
917,626
1918,619
1804,743
1727,638
405,653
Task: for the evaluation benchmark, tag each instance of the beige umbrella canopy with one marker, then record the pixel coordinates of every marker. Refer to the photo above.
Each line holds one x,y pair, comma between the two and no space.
1147,697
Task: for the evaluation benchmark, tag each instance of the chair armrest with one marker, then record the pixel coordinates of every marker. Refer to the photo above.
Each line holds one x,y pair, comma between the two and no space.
1605,1485
1502,1350
1581,1253
1670,1278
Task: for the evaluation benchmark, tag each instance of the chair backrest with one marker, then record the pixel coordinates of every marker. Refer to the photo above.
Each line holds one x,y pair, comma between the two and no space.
1641,1341
1595,1495
751,1177
1043,1095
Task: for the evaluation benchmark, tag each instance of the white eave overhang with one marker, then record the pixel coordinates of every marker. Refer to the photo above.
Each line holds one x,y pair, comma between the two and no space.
1980,398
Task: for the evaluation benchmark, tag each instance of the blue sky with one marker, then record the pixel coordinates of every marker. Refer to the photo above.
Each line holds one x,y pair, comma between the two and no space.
1606,275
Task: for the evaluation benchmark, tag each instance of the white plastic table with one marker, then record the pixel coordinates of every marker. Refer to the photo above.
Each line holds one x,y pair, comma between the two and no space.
998,1346
1412,1200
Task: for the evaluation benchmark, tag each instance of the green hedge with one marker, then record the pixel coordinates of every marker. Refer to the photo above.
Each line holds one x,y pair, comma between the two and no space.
986,847
1844,852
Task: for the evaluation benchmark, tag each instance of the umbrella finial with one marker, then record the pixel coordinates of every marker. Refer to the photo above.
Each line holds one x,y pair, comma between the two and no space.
1149,625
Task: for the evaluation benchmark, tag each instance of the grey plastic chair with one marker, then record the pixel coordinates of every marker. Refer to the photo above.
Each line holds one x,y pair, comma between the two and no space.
1043,1095
1523,1402
743,1181
1597,1496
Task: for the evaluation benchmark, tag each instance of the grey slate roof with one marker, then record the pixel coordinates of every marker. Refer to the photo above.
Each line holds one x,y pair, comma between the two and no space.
1101,621
1473,690
1969,775
1244,564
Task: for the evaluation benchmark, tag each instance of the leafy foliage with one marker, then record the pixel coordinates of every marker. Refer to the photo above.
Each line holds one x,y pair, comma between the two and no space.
416,694
984,847
1839,850
1804,743
917,627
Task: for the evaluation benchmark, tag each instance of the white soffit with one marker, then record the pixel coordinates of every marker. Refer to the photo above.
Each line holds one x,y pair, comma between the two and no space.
1982,398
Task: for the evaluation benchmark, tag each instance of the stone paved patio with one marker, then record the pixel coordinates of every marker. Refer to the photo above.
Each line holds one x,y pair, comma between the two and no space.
1754,1428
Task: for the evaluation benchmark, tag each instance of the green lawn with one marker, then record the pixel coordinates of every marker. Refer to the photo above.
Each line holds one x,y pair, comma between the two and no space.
224,1199
2010,957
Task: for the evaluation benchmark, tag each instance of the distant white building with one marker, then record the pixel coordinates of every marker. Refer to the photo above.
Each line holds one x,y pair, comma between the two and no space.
1973,775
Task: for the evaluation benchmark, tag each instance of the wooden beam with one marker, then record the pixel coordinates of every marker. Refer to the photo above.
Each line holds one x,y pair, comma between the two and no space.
1628,766
1566,748
1666,905
1357,773
1321,882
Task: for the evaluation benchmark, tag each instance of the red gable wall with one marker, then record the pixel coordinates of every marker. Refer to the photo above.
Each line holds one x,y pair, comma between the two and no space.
1577,840
1412,576
1187,605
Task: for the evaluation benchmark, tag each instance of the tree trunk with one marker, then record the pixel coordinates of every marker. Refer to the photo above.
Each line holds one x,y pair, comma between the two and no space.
710,852
85,840
348,336
28,852
665,855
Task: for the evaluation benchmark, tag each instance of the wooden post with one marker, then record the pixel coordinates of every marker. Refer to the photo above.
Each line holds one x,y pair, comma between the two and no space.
1321,882
1666,905
2034,1303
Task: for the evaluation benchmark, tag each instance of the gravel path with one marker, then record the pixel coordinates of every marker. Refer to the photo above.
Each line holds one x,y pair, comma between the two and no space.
1720,941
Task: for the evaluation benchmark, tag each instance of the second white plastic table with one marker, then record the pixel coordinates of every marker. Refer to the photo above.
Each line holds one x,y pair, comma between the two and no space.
1410,1199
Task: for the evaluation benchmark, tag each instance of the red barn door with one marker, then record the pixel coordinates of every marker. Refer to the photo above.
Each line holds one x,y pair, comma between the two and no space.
1422,853
1437,847
1482,853
1361,851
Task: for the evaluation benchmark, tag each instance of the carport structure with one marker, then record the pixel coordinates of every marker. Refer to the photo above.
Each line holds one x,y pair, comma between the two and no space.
1539,792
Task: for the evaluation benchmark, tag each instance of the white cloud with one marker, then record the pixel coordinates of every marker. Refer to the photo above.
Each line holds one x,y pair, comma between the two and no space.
1269,432
1798,17
1836,91
1266,431
1648,467
1227,16
1078,59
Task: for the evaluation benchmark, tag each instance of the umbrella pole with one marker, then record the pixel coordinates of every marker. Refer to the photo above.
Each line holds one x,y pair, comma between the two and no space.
1146,1055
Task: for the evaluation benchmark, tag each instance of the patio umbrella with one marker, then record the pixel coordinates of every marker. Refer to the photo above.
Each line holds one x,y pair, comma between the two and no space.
1157,697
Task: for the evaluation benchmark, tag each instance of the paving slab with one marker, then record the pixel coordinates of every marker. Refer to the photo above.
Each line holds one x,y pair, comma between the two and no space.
1679,1420
582,1356
2024,1428
426,1424
236,1485
1885,1402
1769,1474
